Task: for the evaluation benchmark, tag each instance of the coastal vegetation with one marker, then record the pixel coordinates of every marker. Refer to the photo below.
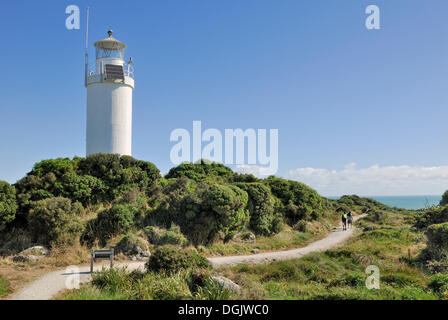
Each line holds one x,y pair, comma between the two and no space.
94,201
205,209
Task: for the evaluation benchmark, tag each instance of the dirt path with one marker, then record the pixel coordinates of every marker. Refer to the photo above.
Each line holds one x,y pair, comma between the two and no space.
49,285
336,237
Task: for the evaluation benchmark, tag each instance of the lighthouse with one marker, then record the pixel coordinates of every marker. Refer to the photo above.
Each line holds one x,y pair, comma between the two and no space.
109,85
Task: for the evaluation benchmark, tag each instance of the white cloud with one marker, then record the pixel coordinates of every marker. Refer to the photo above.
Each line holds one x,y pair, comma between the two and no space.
375,180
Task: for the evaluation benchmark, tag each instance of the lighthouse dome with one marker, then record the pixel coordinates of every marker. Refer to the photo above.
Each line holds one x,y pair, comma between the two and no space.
110,43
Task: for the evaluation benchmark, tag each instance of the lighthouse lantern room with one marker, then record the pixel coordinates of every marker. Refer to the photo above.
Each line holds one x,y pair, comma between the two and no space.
109,99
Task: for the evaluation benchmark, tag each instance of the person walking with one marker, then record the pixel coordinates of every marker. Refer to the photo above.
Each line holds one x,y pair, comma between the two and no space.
350,220
344,220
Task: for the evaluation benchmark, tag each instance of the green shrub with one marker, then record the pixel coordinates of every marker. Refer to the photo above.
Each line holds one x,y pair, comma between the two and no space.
198,279
243,177
299,201
439,283
431,216
33,188
58,167
365,204
301,226
119,173
129,242
55,221
375,216
119,219
437,265
438,235
161,236
85,189
204,211
132,196
8,204
171,259
200,171
264,219
97,178
351,280
444,200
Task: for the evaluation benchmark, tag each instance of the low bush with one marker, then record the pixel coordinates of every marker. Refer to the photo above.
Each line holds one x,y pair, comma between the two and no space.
198,279
264,219
375,216
55,221
301,226
434,215
438,235
8,204
119,219
204,211
85,189
434,258
365,204
160,236
201,171
439,283
444,200
170,259
91,180
129,242
299,202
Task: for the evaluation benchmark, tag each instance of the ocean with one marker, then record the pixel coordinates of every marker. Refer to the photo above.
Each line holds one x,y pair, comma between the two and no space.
406,202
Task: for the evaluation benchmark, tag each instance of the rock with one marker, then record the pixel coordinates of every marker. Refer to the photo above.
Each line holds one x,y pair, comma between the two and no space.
255,251
246,236
226,283
370,228
134,252
141,254
36,250
138,250
26,258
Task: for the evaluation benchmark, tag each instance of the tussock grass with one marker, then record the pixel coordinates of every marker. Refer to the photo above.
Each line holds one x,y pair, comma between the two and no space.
339,274
4,287
118,284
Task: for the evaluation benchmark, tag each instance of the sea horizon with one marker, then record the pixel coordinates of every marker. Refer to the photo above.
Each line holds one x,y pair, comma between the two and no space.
414,202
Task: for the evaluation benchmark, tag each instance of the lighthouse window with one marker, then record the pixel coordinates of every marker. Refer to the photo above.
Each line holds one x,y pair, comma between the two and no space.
114,72
109,53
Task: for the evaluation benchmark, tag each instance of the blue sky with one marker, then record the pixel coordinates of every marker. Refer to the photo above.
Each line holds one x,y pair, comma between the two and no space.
358,111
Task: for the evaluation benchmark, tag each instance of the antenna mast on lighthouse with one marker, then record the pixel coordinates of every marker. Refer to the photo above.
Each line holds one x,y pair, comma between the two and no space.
87,48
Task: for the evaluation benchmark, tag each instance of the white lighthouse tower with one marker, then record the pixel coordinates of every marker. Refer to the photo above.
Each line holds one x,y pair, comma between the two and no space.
109,99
